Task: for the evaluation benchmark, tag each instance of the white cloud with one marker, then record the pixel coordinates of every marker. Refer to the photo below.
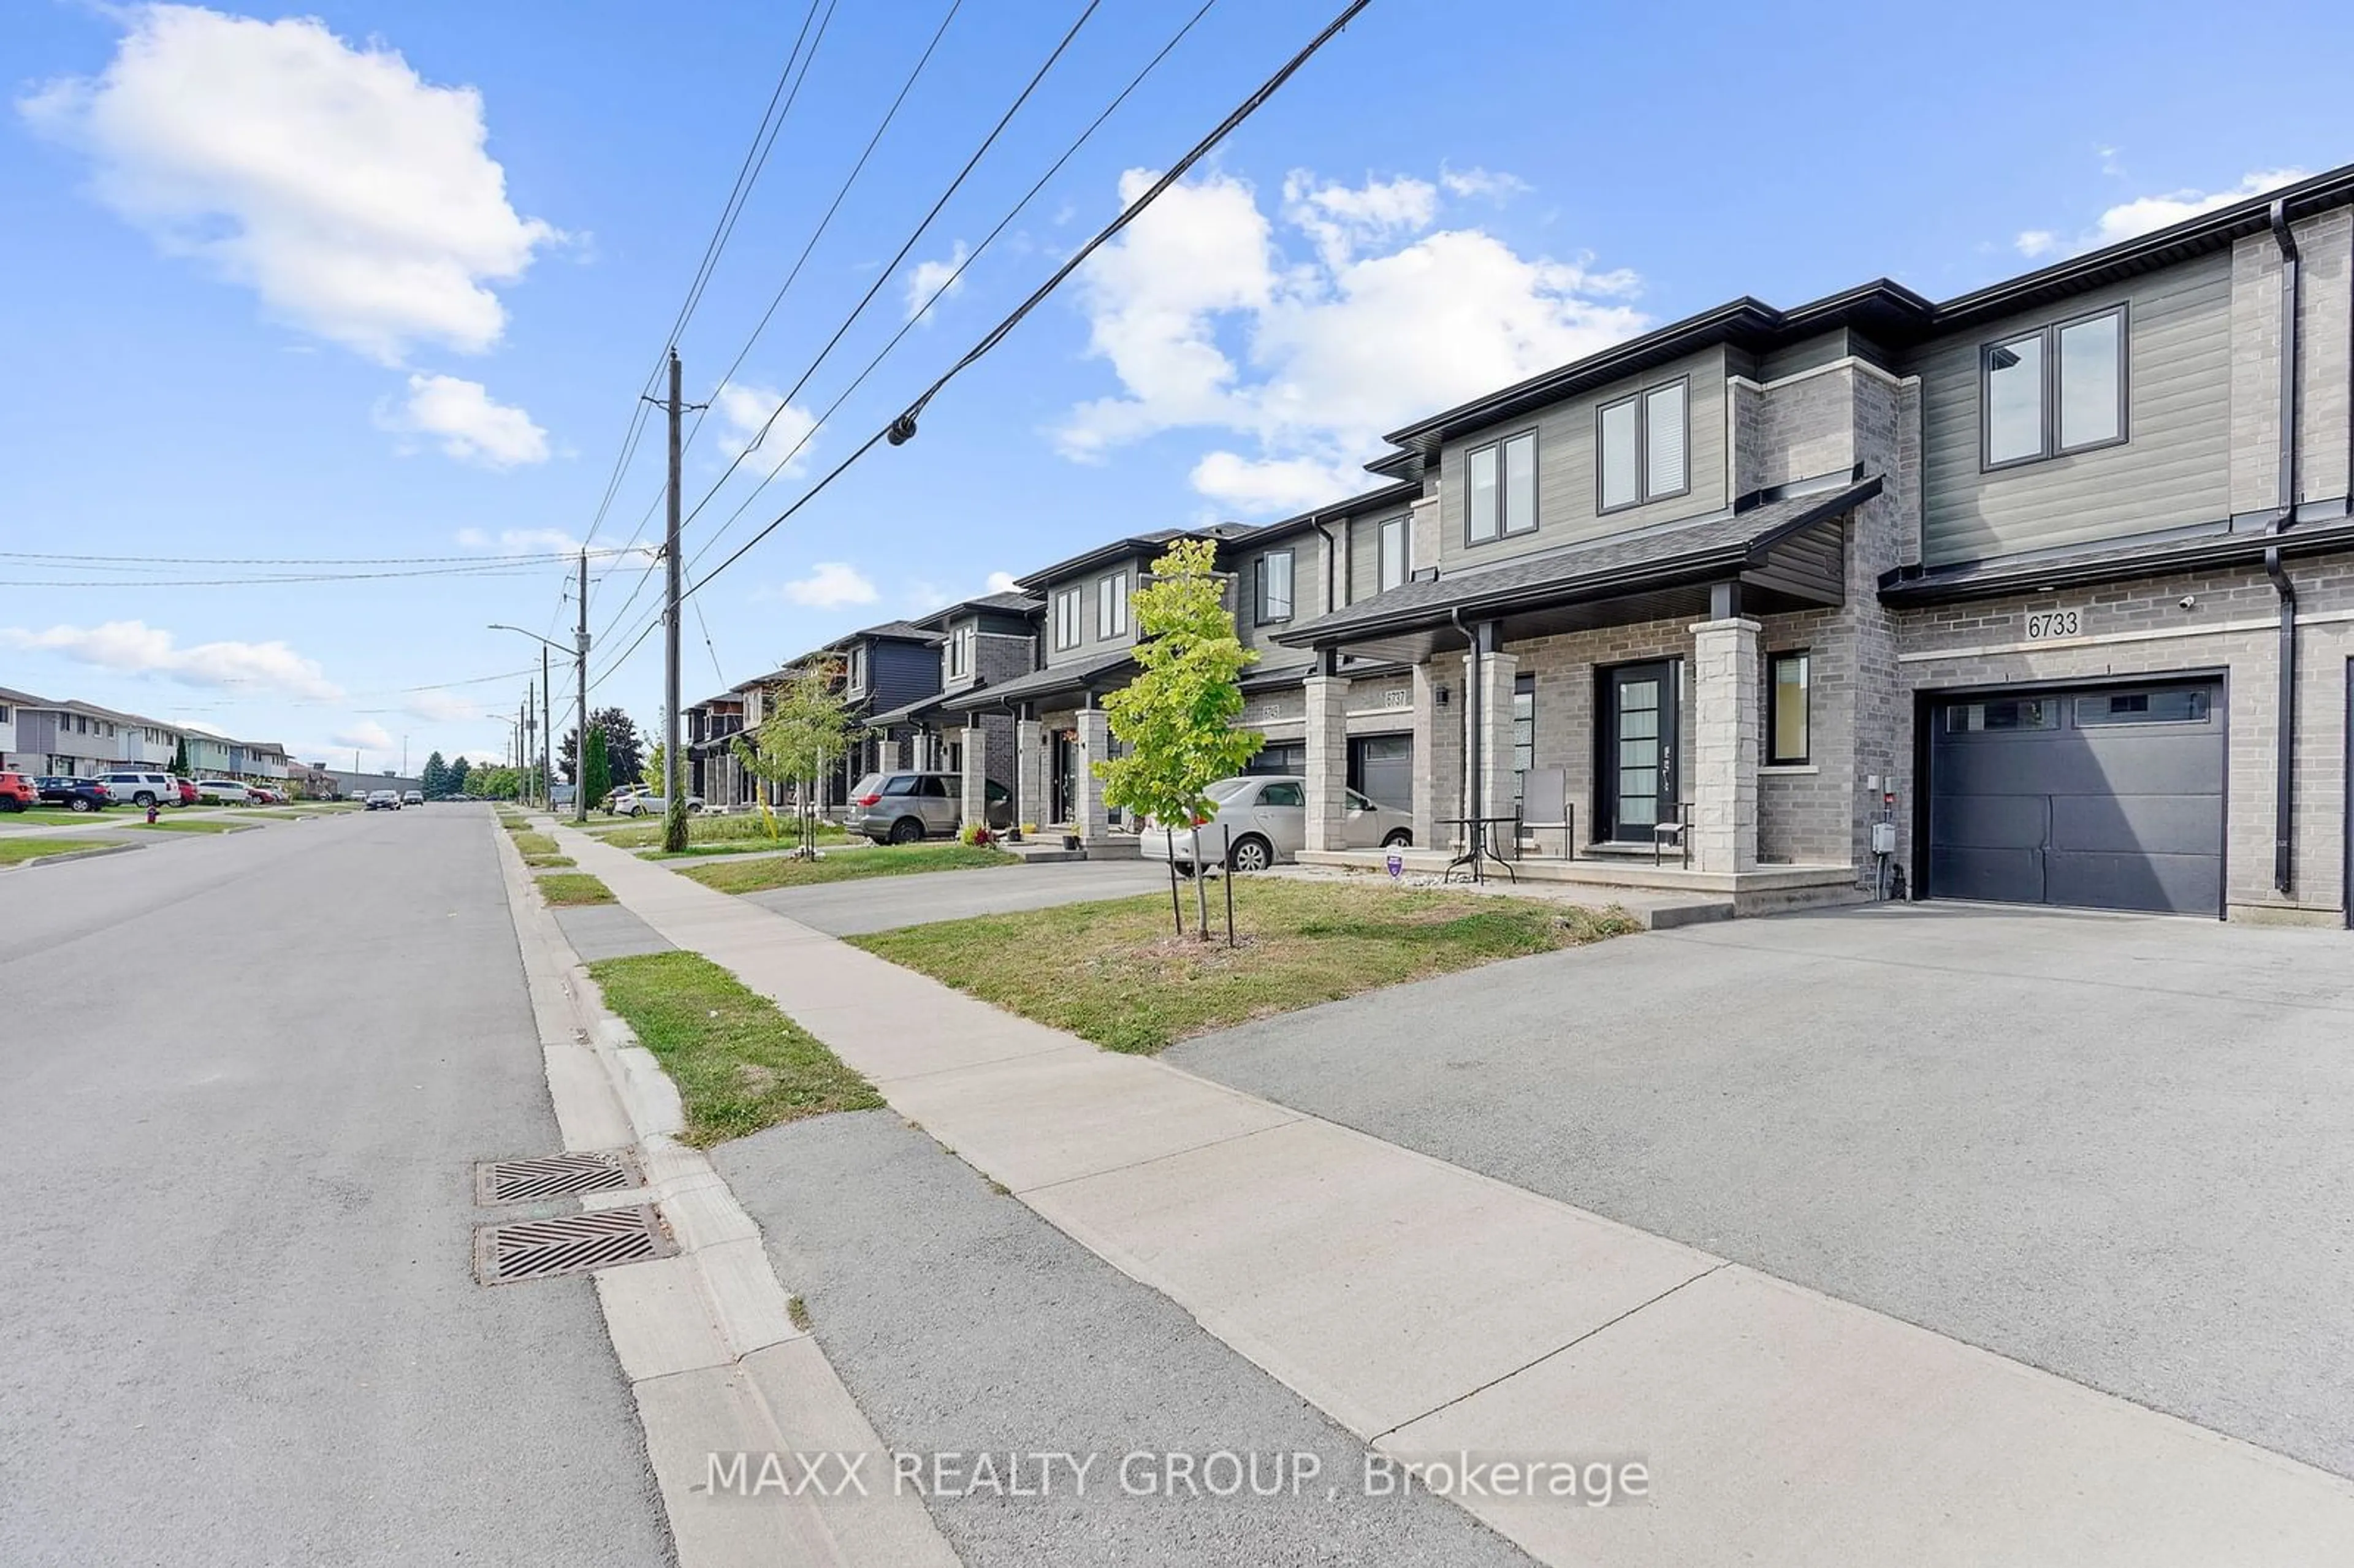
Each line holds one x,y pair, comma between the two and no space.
1492,184
1001,582
926,278
470,426
2145,215
366,734
134,648
354,197
830,585
553,540
440,707
745,410
1209,323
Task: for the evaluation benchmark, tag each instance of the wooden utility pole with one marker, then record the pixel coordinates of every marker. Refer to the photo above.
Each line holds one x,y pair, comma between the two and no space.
547,739
581,742
673,799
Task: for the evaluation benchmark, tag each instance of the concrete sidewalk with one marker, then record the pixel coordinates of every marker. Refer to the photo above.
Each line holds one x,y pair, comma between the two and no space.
1432,1310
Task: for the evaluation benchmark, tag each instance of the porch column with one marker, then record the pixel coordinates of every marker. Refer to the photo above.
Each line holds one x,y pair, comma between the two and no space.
1092,818
1029,773
1726,698
1328,761
1495,674
1426,756
975,807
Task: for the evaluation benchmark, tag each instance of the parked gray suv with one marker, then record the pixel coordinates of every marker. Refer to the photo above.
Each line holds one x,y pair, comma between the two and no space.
900,808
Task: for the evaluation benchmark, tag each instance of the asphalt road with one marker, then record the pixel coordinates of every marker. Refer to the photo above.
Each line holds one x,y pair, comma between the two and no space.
2119,1148
887,903
964,1324
247,1076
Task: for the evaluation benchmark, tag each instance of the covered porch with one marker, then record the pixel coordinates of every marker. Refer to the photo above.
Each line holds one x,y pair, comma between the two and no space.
1598,713
1051,723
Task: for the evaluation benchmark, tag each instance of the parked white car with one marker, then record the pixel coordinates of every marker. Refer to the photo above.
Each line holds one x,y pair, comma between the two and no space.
141,789
1263,819
223,791
653,805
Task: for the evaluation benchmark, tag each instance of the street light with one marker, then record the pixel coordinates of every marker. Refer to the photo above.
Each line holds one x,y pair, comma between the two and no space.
547,716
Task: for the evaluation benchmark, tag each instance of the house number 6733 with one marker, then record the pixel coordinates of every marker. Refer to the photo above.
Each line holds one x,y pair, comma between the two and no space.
2054,623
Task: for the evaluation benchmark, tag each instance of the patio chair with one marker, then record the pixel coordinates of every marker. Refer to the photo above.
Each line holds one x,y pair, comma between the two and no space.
1544,806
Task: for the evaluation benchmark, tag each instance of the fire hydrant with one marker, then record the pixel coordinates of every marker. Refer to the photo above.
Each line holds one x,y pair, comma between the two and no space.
152,814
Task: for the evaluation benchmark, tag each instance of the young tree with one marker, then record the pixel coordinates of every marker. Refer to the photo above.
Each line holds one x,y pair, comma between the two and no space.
459,772
180,758
434,782
498,783
807,730
596,781
1177,716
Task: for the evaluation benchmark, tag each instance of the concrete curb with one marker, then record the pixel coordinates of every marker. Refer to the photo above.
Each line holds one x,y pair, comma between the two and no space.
706,1338
74,855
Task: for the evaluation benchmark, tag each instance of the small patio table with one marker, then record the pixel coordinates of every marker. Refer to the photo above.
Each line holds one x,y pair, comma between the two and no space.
1479,851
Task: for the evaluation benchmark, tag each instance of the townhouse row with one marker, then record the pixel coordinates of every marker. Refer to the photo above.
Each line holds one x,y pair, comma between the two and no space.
83,740
2043,594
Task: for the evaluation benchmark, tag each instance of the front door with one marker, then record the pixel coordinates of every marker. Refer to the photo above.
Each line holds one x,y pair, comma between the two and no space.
1638,749
1065,777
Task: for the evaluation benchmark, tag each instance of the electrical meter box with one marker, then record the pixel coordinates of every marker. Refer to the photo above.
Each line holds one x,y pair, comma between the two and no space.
1883,838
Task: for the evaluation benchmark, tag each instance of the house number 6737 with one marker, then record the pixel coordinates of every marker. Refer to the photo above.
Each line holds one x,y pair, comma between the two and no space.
2054,623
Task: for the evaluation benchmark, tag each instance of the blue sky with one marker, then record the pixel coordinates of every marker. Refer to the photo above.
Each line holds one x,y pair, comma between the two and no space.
378,280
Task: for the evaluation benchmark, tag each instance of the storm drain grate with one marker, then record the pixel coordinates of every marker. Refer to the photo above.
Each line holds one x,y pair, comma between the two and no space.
555,1176
569,1243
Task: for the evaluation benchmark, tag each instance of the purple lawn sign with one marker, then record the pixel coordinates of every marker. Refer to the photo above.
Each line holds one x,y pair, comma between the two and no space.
1397,866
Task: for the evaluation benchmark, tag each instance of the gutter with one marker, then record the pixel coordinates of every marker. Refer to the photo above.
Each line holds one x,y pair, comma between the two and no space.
2284,757
1472,736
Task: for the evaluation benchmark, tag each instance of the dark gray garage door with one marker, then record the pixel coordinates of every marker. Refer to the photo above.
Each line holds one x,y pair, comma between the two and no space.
2107,797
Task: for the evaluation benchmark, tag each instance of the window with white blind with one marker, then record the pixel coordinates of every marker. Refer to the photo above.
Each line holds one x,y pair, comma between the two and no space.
1274,595
1066,618
1642,446
1392,548
1111,606
1501,489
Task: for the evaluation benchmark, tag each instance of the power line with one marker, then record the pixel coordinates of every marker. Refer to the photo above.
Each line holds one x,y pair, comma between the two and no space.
951,281
304,560
884,274
286,578
902,429
755,158
1003,223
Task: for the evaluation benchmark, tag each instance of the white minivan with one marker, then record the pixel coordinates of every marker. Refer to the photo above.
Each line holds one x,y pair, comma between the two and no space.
223,791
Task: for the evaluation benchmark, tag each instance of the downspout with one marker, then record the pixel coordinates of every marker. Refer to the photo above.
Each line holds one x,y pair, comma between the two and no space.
1331,566
1471,733
2285,760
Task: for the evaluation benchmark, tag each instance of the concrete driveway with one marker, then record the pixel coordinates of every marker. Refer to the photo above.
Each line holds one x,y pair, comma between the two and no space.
886,903
2119,1148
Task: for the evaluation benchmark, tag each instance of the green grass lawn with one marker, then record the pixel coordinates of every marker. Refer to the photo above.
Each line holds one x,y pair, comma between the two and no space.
753,875
1113,973
738,1062
565,888
17,852
184,825
734,831
58,817
548,862
530,844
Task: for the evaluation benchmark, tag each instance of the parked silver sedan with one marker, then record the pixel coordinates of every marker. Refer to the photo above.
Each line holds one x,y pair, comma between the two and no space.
1263,819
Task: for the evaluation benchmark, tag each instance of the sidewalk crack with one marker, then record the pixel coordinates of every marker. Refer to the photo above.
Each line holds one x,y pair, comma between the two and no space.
1540,1361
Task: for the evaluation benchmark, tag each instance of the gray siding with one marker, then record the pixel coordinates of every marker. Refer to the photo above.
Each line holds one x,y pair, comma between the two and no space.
1809,354
1565,481
1088,583
2174,468
1308,596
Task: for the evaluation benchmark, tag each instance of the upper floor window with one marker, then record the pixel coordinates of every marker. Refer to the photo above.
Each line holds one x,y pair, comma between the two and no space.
1273,599
854,672
961,642
1642,446
1391,547
2058,389
1111,606
1501,489
1066,618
